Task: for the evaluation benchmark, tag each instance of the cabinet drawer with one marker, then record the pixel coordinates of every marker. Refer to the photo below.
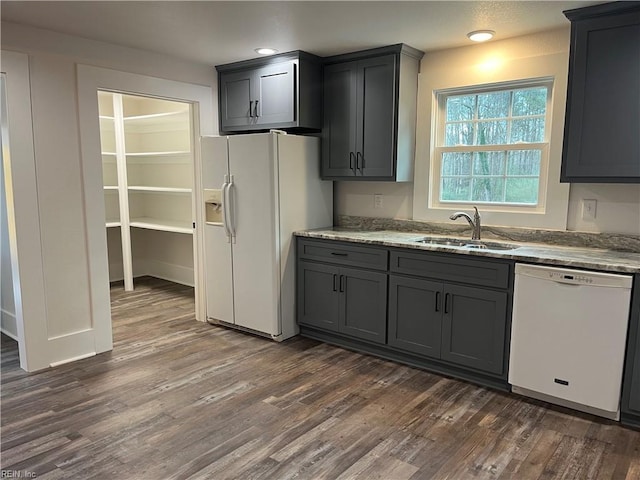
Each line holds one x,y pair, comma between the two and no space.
486,273
343,254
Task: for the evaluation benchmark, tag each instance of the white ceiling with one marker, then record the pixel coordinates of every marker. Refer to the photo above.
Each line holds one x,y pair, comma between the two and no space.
217,32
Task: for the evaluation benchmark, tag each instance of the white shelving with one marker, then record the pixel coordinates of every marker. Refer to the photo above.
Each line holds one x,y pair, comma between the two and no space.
147,160
161,224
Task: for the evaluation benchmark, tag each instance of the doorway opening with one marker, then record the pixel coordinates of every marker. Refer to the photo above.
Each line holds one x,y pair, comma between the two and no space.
147,148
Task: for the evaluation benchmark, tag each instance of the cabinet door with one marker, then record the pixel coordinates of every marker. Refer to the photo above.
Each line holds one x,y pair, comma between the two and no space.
339,129
363,304
375,121
274,94
235,98
318,297
603,114
415,315
473,327
634,389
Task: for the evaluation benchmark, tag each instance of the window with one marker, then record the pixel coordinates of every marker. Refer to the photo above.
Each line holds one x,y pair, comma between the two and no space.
492,145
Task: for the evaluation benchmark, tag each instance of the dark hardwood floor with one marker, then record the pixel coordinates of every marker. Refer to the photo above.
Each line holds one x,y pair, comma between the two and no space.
181,399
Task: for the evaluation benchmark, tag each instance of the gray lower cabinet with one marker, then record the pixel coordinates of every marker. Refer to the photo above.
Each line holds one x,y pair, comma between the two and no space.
346,300
460,324
630,409
445,312
415,315
473,327
318,302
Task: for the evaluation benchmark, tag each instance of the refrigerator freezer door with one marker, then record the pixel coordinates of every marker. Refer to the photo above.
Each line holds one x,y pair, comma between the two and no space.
218,249
253,203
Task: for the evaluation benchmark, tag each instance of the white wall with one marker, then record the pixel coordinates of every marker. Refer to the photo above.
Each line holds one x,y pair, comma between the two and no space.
618,209
53,62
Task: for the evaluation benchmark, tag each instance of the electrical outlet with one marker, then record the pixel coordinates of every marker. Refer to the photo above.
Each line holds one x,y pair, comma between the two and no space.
589,209
377,200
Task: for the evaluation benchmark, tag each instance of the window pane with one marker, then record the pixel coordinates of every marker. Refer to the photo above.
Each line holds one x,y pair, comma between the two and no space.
527,130
456,164
492,132
530,101
488,189
459,134
488,163
494,105
455,189
524,162
461,108
522,190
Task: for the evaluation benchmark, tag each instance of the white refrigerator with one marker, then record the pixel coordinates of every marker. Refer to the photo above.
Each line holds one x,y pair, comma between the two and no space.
258,189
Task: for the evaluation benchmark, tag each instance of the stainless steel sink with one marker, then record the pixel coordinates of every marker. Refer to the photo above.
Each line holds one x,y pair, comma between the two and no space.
448,242
491,246
468,244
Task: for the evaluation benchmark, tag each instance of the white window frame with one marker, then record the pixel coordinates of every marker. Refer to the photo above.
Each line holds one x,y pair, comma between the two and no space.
439,147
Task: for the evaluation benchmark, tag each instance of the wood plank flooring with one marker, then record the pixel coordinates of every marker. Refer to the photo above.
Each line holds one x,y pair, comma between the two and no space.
179,399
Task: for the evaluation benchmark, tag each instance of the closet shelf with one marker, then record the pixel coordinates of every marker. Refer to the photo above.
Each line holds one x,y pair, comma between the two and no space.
111,188
162,225
157,118
141,188
159,154
113,223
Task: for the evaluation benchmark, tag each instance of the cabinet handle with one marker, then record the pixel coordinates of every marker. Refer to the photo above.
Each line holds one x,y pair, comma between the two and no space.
359,161
351,158
342,283
446,303
338,254
251,108
437,301
255,110
335,282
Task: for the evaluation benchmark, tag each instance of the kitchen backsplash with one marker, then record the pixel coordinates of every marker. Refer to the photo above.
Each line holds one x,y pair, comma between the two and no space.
609,241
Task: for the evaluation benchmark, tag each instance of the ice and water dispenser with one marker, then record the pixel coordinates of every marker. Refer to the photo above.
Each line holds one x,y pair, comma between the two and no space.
213,206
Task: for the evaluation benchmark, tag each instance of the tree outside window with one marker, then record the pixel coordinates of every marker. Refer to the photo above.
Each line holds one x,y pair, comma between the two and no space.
492,145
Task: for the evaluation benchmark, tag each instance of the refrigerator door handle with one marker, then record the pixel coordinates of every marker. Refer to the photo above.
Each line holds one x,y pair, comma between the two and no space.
231,224
225,215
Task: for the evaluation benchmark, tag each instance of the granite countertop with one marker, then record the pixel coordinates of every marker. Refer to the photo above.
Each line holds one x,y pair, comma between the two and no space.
589,258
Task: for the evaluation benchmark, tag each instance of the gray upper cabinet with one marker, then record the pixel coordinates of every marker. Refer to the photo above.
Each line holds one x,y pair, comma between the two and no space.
601,140
369,97
281,91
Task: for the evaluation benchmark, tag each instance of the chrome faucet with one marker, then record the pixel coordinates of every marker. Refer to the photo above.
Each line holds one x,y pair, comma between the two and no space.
475,223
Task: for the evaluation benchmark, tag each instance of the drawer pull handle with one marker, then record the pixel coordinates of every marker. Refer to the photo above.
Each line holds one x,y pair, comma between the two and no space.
337,254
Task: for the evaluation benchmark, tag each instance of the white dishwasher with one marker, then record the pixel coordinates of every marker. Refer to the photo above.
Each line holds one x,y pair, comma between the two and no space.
568,337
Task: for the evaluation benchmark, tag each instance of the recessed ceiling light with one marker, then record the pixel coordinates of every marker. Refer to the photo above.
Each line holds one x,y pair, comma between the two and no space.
266,51
481,35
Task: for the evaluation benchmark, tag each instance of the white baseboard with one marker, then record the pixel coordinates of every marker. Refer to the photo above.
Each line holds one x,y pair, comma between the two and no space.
171,272
8,324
